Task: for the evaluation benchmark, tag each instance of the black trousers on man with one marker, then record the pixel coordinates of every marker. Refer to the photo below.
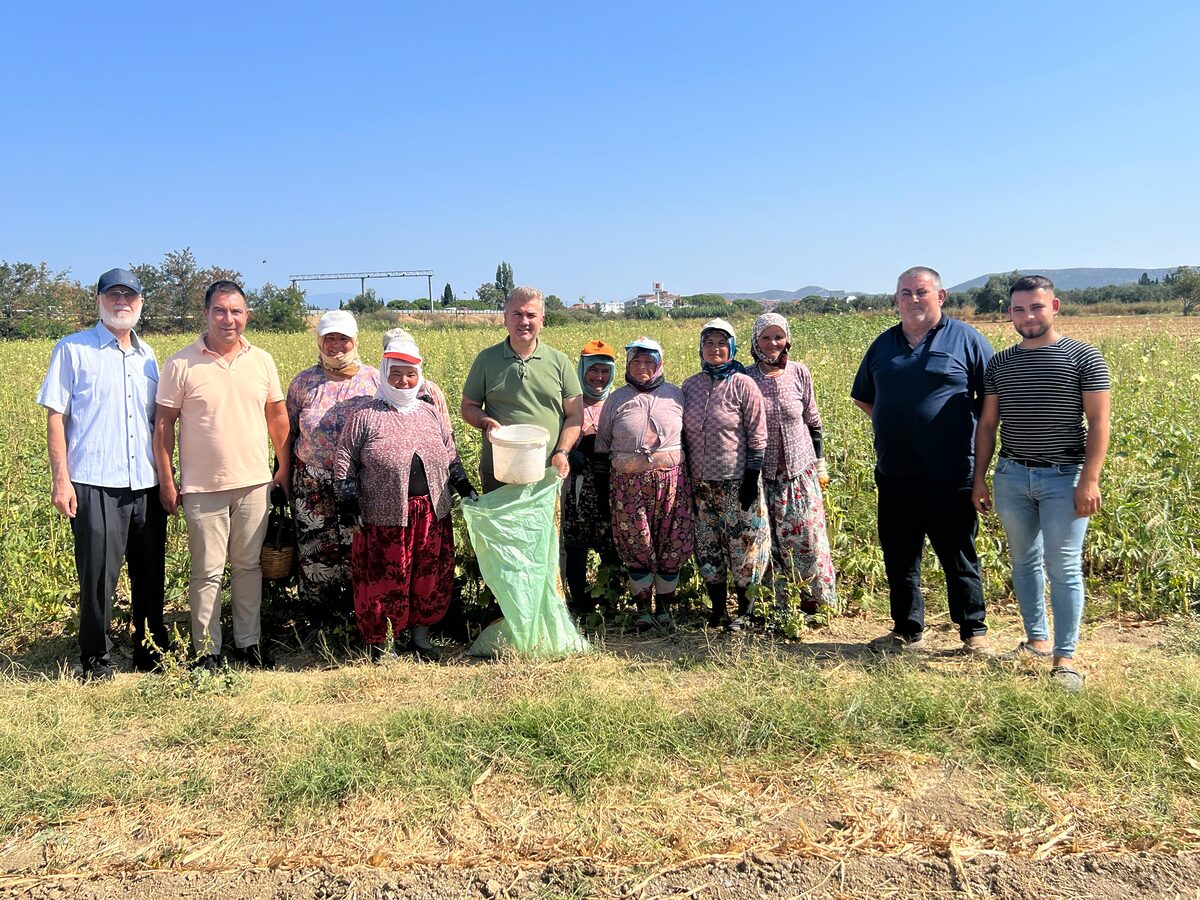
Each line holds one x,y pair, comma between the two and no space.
111,525
911,509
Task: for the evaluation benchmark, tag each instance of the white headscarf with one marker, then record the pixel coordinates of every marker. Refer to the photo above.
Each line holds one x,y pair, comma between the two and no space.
401,351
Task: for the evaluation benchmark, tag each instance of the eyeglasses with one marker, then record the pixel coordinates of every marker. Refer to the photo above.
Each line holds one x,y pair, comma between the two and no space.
115,294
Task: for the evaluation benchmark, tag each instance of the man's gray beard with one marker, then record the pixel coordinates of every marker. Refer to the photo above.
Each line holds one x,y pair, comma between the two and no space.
111,319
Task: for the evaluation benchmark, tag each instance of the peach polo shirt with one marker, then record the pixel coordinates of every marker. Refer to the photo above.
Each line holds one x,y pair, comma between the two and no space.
222,415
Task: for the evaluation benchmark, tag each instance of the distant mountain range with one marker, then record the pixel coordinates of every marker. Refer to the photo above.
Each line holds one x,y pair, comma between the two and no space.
807,291
1072,279
329,300
1064,279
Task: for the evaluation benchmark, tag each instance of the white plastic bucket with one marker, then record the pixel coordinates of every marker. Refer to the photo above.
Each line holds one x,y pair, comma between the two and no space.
519,453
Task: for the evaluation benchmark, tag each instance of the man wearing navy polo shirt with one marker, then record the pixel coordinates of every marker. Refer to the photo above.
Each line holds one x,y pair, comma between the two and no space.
921,382
99,399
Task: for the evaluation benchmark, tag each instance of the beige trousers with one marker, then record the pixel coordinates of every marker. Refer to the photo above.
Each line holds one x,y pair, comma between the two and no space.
226,525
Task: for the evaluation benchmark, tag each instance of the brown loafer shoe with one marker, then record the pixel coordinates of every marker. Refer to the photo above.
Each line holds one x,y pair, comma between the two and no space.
977,645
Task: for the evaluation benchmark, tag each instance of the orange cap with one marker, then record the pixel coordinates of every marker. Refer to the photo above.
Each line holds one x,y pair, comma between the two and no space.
598,348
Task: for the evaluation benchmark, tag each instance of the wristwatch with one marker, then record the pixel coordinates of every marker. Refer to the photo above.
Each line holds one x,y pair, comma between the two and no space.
558,451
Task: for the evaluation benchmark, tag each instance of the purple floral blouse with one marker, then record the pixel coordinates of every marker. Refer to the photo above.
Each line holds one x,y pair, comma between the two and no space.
318,407
791,412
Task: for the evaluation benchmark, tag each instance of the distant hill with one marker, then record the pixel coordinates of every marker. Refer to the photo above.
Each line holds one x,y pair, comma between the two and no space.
1070,279
798,294
329,300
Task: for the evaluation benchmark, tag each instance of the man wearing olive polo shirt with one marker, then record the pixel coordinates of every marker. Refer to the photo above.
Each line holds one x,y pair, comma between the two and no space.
226,397
522,381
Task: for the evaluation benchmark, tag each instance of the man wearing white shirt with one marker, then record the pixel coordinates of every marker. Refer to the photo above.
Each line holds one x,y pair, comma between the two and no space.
99,399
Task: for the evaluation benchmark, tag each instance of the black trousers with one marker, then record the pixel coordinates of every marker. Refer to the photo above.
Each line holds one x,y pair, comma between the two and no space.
111,525
911,509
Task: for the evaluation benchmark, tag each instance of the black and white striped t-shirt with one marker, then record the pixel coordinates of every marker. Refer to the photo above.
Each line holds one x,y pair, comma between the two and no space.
1041,399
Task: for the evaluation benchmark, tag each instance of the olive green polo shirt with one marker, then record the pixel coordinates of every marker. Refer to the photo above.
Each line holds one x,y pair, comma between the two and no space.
522,392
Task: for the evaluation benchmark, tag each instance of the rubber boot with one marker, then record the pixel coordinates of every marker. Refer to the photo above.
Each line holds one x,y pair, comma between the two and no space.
422,649
644,621
662,610
582,602
745,610
718,597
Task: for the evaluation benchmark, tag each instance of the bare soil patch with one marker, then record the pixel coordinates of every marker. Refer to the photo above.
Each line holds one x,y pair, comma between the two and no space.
747,877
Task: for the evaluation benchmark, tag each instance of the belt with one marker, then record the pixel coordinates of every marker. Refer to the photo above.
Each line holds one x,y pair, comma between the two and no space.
1031,464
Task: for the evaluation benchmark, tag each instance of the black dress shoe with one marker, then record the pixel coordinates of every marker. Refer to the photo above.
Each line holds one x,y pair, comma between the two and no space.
253,656
210,663
146,662
95,669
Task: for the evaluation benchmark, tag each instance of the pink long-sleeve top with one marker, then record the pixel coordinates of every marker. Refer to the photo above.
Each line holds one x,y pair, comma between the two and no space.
377,447
721,421
642,429
792,413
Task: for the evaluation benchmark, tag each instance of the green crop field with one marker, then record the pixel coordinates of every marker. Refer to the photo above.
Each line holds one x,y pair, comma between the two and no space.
1141,554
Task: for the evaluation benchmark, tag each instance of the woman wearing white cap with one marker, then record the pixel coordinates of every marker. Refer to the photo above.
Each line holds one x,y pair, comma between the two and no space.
794,469
429,389
725,432
319,400
396,463
641,482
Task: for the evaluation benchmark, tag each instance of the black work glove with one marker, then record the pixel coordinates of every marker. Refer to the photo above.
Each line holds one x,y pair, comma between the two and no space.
600,475
465,489
578,461
461,483
348,511
748,491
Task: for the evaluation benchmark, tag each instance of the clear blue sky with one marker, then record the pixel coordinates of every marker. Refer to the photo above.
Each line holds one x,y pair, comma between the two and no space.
600,148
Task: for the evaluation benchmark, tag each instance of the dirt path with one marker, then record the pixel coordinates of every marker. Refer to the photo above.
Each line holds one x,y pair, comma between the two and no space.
754,876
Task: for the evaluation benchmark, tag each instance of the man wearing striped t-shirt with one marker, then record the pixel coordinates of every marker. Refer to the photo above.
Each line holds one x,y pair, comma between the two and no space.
1047,479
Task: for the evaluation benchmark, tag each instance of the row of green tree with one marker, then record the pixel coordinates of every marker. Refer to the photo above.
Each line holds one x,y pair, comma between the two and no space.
1179,289
36,301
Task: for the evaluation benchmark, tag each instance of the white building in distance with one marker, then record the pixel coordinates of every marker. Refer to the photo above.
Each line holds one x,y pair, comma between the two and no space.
657,297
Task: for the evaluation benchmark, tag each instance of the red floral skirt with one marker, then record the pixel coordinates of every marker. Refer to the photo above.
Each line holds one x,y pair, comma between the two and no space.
402,574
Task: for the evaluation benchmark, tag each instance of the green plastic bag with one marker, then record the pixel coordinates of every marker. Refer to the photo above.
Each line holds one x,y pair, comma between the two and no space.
516,542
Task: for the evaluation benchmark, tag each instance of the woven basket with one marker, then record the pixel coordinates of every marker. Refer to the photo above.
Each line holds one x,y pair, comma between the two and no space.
278,554
277,562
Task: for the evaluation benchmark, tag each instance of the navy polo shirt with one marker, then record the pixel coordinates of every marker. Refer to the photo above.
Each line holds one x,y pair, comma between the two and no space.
925,399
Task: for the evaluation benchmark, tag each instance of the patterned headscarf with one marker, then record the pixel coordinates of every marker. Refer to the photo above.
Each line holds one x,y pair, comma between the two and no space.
651,348
731,365
761,324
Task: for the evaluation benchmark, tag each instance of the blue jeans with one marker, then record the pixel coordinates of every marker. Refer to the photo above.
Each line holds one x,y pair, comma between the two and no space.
1037,508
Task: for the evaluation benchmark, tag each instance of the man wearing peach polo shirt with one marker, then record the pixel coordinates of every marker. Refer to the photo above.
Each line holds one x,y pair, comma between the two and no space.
226,397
